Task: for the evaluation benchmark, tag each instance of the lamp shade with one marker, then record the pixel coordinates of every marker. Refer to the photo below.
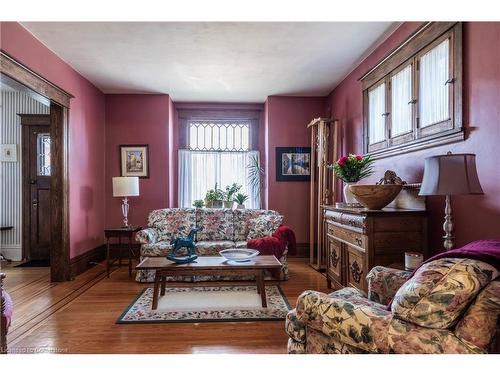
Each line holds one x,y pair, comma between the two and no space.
450,174
125,186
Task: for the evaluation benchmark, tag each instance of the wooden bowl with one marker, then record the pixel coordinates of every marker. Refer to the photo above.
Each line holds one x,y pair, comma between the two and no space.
375,197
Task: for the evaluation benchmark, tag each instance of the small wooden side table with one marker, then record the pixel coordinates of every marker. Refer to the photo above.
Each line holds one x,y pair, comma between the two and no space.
126,232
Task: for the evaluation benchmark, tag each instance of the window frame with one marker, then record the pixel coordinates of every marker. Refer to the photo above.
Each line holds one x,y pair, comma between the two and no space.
410,52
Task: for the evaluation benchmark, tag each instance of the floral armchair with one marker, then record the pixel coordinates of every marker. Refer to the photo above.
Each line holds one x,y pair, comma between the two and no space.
450,305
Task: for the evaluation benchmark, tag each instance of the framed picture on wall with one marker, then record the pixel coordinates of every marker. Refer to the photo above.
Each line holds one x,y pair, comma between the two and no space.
293,163
134,161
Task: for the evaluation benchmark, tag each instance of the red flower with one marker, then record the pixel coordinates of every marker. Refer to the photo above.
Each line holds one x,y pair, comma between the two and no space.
359,157
342,161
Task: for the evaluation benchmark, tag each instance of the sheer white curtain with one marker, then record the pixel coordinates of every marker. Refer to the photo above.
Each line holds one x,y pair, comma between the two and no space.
200,170
376,109
434,73
401,102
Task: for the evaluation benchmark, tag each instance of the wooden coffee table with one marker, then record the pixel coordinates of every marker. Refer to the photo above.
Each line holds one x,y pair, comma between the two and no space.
209,266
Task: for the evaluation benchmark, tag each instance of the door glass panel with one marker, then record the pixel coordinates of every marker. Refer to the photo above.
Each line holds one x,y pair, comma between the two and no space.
43,154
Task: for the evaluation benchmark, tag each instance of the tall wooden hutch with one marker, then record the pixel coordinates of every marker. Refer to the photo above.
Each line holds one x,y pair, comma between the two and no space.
323,151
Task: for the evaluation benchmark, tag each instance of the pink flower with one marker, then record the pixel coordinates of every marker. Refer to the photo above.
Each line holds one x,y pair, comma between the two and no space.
359,157
341,162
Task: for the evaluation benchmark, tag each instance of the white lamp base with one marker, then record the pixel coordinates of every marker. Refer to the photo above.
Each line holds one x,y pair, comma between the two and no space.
125,208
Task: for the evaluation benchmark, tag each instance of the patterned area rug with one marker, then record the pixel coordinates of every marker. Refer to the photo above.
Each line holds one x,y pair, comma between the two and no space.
207,304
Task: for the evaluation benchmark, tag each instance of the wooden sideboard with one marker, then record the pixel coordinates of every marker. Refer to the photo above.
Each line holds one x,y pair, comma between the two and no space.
359,239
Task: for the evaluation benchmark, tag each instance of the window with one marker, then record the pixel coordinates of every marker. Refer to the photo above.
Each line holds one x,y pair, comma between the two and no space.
401,100
433,85
377,113
219,136
412,99
217,152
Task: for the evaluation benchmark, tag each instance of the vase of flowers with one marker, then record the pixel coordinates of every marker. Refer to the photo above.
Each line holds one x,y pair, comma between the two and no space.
351,169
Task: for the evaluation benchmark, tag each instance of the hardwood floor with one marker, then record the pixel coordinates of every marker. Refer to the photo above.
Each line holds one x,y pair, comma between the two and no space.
79,317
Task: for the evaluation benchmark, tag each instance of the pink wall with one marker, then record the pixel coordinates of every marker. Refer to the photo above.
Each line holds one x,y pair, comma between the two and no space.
138,119
475,217
86,134
285,126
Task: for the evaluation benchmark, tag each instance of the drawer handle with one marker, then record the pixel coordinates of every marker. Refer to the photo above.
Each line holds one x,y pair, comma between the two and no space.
356,272
352,222
359,241
334,259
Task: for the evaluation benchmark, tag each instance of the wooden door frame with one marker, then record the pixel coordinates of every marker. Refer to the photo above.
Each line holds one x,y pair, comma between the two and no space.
28,120
13,72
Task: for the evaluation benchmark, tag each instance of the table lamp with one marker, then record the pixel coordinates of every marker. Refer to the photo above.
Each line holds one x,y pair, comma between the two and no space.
450,174
125,187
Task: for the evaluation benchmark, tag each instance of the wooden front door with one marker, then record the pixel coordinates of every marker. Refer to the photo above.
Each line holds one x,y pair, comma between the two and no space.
36,186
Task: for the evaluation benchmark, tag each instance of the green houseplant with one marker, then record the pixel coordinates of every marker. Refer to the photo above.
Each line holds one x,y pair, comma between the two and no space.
351,169
198,203
241,199
214,197
255,175
229,194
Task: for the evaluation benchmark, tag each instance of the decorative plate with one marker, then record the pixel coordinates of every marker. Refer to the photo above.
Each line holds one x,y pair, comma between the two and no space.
239,255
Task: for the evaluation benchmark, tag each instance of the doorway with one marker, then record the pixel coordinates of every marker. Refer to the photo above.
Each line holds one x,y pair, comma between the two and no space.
51,193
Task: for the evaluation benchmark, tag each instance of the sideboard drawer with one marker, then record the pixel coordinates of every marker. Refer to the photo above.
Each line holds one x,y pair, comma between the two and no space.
356,268
355,221
353,238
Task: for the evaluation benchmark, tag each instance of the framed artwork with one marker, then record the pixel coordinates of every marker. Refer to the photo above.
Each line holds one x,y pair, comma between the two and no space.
8,152
293,163
134,161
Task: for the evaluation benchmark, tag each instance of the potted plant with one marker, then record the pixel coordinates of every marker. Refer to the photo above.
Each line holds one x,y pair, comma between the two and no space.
210,198
214,197
255,175
198,203
229,194
351,169
241,199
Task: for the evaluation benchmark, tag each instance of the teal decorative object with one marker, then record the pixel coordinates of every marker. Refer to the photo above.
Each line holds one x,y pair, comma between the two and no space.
184,242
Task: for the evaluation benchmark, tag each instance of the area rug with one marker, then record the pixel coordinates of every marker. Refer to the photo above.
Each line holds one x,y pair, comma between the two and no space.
207,304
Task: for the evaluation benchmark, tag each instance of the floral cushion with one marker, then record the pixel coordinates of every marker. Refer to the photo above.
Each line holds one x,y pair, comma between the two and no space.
440,291
172,222
214,224
478,326
353,320
242,219
212,247
263,226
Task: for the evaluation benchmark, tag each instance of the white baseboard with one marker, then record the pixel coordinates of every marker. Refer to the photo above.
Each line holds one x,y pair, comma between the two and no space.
12,252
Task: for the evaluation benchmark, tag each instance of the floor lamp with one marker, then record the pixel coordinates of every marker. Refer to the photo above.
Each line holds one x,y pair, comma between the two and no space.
450,174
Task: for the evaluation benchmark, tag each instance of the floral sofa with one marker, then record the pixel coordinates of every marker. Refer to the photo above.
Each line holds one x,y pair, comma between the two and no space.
450,305
219,229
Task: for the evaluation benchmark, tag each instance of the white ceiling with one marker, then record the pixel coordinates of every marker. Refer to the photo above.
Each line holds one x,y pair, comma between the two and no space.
211,61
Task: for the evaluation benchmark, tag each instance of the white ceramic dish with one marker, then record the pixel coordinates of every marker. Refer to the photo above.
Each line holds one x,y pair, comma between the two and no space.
239,255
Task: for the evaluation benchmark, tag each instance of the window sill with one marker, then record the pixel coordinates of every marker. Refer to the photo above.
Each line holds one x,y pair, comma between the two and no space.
452,136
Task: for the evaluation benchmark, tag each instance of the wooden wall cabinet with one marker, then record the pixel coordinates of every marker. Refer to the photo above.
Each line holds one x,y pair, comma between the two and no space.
359,239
